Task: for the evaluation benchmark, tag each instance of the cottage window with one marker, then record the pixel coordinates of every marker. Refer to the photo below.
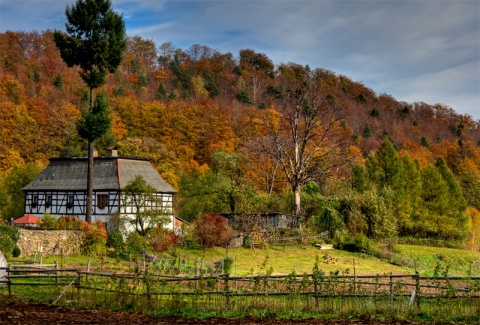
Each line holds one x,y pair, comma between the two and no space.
48,201
69,204
34,201
102,200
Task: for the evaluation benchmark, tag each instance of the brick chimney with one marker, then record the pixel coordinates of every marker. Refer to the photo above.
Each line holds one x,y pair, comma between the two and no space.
112,152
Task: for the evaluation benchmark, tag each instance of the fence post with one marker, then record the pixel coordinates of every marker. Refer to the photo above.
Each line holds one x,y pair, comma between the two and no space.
354,278
146,280
227,290
9,272
77,284
391,284
56,272
417,289
315,287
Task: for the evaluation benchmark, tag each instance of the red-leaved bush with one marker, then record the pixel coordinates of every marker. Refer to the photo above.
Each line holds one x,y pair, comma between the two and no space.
161,240
211,229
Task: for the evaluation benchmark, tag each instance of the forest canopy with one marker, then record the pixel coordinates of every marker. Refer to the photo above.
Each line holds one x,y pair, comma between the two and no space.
223,128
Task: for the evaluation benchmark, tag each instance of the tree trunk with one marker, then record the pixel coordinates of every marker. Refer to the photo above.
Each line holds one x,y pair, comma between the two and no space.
232,204
296,201
88,217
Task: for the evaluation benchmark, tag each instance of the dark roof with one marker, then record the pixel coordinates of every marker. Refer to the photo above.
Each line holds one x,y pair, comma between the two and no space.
112,173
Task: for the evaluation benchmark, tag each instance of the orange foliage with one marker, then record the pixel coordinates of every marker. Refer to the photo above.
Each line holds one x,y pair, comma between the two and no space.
119,129
355,155
38,116
450,152
417,153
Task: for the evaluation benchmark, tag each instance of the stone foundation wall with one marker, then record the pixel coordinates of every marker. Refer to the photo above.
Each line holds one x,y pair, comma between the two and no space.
49,242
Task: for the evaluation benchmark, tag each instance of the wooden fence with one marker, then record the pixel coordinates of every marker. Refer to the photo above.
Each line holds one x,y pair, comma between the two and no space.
315,286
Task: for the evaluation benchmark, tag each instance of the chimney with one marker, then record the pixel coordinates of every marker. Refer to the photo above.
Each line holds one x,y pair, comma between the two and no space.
112,151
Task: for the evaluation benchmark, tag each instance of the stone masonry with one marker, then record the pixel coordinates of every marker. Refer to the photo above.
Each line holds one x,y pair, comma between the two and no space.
49,242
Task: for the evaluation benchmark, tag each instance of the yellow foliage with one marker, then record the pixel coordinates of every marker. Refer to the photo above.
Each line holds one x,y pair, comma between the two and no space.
10,88
10,158
473,229
162,75
199,87
273,118
469,165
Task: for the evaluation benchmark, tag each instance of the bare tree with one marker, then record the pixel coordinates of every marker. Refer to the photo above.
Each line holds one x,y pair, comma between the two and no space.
304,131
198,51
166,52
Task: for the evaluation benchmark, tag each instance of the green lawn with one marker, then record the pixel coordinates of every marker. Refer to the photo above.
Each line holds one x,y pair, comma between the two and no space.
301,259
453,261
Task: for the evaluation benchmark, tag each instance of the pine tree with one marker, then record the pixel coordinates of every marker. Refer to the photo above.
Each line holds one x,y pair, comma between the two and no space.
367,132
359,178
457,200
161,92
96,122
58,81
424,142
210,84
435,202
375,112
408,197
95,41
443,208
389,166
456,205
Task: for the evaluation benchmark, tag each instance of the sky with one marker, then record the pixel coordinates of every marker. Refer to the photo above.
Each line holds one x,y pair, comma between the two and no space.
416,51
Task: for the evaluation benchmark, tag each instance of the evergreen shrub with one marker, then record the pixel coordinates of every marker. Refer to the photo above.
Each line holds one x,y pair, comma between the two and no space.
16,251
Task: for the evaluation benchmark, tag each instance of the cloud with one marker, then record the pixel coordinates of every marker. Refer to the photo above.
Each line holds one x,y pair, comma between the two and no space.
32,15
455,87
425,50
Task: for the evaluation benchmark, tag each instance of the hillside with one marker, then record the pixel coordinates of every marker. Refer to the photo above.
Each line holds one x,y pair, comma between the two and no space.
193,101
198,111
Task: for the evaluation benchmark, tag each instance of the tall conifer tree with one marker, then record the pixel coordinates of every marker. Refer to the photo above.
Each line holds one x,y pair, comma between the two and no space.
95,41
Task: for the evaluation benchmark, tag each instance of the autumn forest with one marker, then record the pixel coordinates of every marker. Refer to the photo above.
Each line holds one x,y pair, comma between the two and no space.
236,132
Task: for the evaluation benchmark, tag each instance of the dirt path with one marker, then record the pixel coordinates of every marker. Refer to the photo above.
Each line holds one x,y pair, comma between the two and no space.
19,313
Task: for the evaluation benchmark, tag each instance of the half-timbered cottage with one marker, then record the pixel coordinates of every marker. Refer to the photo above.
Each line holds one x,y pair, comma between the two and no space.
61,188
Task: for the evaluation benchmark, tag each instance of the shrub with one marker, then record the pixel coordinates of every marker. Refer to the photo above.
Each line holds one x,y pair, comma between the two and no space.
161,240
6,245
340,239
68,223
135,243
95,237
358,243
11,232
212,229
188,236
115,241
227,264
49,221
16,251
8,239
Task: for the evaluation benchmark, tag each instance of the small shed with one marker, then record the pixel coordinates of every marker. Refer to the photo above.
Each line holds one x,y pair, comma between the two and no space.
245,221
27,220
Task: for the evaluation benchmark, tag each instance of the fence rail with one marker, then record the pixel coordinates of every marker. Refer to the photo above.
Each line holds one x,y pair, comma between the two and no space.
317,285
